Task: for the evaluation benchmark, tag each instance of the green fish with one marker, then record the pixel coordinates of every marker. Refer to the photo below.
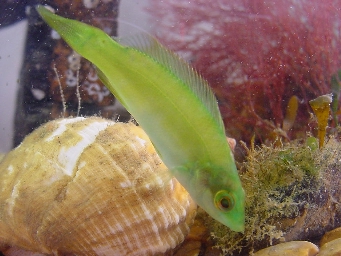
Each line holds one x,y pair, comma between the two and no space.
174,106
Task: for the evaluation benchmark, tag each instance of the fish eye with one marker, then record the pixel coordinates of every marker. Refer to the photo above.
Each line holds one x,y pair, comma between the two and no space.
223,200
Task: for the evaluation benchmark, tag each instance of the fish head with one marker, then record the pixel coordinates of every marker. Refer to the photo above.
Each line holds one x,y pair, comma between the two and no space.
219,193
224,201
228,208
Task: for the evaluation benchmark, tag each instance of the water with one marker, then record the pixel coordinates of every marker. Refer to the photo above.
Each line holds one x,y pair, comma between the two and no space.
12,40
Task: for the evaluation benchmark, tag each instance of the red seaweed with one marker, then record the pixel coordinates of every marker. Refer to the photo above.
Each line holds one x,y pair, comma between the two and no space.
256,55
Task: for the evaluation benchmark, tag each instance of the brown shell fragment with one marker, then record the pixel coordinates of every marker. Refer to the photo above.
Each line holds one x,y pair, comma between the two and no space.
90,186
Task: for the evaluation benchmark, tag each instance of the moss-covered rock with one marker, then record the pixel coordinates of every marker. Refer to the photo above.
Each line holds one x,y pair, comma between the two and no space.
292,193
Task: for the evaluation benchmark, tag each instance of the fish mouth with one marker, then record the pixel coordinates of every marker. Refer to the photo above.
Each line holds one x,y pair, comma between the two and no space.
239,227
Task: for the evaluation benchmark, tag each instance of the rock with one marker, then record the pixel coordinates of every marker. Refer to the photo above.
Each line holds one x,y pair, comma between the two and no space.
297,248
189,248
198,231
332,248
293,194
331,235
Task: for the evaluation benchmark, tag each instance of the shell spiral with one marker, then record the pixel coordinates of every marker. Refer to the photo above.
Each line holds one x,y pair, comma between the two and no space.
90,186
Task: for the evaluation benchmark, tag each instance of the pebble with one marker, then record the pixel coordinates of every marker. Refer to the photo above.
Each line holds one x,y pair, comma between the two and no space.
330,245
198,231
190,248
332,248
331,235
294,248
193,242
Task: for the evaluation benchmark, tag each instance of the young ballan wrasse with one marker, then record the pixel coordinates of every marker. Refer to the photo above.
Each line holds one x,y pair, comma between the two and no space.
174,106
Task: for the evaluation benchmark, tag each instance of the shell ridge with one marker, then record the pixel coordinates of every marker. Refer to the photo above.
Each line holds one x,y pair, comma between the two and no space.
110,205
73,167
69,157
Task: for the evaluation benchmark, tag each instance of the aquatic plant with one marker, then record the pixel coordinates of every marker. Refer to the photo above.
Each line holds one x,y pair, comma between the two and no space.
321,108
336,92
256,55
292,194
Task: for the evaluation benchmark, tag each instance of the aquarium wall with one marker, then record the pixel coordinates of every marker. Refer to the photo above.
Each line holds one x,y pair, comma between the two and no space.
12,39
13,35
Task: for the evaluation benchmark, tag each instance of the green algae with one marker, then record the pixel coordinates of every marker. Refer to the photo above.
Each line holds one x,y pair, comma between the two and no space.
281,183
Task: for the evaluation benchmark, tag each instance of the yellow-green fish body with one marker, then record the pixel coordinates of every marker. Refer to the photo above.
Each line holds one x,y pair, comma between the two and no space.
175,107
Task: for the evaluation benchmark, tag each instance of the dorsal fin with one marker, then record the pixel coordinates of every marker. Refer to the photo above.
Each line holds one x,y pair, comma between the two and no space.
151,47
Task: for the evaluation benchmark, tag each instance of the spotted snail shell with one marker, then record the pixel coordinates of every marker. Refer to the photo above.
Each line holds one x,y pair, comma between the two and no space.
90,186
